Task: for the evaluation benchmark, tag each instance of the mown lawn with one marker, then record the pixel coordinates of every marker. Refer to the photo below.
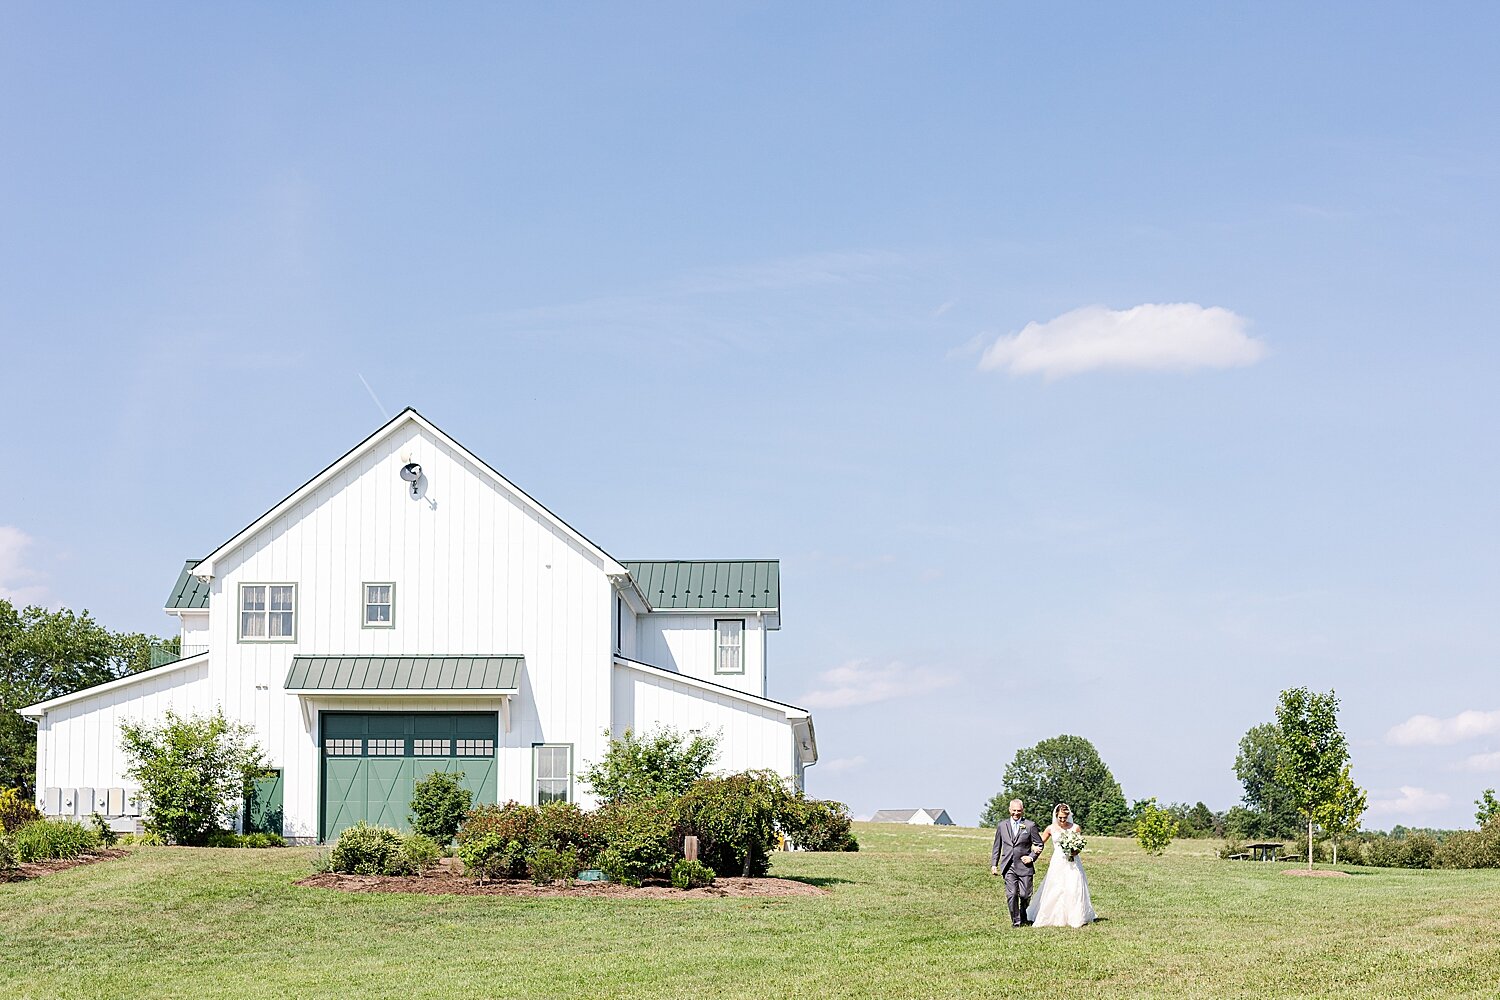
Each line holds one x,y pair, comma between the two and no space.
915,914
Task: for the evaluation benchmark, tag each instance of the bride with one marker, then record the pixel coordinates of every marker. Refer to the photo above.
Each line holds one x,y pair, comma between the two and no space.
1064,899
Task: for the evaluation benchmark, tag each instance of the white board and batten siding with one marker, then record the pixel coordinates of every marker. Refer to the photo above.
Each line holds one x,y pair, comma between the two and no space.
688,643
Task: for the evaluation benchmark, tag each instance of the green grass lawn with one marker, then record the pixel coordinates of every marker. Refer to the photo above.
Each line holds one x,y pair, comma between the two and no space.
915,914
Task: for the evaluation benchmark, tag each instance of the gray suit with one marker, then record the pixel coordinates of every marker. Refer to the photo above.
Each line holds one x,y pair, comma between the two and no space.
1009,849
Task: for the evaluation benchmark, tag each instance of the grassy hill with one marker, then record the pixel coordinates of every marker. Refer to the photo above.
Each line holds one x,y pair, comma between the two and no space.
915,914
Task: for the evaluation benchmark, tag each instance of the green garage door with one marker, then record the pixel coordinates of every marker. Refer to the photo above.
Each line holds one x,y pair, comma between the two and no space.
373,760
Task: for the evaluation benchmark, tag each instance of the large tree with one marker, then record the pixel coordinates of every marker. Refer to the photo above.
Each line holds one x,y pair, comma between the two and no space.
1314,753
1061,769
1273,812
44,654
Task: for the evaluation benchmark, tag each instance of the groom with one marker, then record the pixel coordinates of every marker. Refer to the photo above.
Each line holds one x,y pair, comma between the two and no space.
1018,843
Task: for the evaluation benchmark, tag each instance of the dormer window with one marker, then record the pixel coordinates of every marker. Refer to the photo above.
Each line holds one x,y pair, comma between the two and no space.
730,657
380,605
268,612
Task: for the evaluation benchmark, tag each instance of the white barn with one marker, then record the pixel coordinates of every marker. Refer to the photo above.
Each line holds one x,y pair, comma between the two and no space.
408,609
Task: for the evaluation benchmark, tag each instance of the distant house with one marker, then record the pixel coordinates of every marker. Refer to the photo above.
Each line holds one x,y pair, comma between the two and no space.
916,817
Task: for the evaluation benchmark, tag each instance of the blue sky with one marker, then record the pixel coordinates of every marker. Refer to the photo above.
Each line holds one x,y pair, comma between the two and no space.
879,290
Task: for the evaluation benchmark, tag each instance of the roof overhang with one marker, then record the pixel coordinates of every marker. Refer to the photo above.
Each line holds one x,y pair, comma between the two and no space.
41,708
205,569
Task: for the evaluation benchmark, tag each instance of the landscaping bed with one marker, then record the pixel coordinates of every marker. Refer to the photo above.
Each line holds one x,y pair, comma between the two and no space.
442,881
35,869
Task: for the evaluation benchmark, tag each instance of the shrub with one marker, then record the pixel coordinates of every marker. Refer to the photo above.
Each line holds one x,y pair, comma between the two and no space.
107,836
490,856
1232,846
547,865
1383,852
194,772
8,860
16,810
369,850
734,818
1155,828
636,768
1351,851
222,838
816,825
691,874
640,839
1418,851
562,826
511,821
53,838
421,852
265,839
439,804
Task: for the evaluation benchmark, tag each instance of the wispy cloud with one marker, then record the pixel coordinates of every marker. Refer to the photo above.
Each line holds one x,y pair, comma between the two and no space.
18,581
840,764
1430,731
1481,762
862,682
1171,337
1409,801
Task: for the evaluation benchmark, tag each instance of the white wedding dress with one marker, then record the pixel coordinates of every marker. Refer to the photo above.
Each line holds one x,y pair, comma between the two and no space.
1064,899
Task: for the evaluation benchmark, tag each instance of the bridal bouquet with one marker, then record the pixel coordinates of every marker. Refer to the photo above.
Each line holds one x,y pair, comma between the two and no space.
1071,843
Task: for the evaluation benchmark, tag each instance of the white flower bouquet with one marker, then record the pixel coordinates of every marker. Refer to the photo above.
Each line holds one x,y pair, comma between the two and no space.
1071,843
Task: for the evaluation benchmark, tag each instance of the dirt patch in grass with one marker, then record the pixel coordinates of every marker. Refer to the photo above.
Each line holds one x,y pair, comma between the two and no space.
1315,873
442,882
36,869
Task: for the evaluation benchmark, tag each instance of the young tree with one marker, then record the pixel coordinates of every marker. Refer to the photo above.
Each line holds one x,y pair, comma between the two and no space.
1489,808
1341,814
1155,828
438,806
193,772
664,762
1061,769
1313,753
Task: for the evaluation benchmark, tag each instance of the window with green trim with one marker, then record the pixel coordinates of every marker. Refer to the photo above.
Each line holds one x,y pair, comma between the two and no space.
268,612
553,767
380,605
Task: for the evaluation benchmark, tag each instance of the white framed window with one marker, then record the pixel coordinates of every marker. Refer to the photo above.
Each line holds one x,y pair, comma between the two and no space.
380,605
729,635
552,765
268,612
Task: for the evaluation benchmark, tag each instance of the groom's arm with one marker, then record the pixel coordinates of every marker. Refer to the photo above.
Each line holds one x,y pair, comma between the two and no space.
995,851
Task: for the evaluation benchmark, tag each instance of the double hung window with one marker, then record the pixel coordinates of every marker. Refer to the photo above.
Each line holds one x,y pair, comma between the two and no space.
380,605
553,767
268,612
729,658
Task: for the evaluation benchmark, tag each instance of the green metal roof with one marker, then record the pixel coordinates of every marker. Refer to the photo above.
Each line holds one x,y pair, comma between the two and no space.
404,673
190,592
708,583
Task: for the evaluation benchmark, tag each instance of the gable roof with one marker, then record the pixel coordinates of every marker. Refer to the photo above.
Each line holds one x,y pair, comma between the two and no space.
188,593
892,815
703,584
409,415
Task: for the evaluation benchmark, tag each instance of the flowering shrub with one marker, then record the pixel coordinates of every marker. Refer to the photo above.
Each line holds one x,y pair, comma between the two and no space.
16,810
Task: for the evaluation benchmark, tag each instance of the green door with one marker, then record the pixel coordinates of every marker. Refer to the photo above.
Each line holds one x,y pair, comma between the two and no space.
263,812
373,760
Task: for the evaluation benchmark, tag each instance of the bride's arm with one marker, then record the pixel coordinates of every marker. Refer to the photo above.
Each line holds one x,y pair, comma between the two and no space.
1046,833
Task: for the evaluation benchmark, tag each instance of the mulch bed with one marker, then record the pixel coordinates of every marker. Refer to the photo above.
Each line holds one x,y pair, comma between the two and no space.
441,881
36,869
1315,873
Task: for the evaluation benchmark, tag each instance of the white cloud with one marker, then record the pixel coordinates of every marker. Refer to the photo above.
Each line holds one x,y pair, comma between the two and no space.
1429,731
1482,762
860,682
1172,336
16,578
841,764
1409,802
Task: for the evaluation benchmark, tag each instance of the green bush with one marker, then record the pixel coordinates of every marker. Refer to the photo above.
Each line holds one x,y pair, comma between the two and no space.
439,804
734,819
640,839
1382,851
512,821
54,838
562,826
265,839
548,865
194,772
369,850
818,825
107,836
637,768
1155,828
1418,851
9,862
489,856
421,851
1232,846
16,810
691,874
222,838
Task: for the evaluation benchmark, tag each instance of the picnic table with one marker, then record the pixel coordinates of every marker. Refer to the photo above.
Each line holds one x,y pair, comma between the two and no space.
1263,852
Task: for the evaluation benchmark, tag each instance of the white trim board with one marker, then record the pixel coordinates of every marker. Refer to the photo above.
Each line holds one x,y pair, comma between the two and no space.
41,708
